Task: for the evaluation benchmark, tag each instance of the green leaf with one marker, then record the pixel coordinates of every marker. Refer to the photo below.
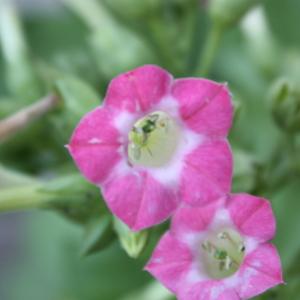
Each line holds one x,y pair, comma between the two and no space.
286,205
77,95
116,48
245,168
98,235
287,29
13,178
78,98
21,76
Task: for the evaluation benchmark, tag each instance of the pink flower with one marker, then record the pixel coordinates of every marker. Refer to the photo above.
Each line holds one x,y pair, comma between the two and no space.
155,142
219,251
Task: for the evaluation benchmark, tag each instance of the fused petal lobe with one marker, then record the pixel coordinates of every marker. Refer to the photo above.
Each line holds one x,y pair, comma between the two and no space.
94,145
207,173
190,219
169,262
139,200
139,89
253,216
208,290
260,271
205,106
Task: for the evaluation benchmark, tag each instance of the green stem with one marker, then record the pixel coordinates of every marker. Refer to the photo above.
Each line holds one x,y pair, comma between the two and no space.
22,79
10,178
210,49
22,197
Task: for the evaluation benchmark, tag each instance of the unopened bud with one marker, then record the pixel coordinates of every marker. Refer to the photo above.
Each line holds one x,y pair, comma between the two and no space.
261,45
229,12
132,242
134,9
285,105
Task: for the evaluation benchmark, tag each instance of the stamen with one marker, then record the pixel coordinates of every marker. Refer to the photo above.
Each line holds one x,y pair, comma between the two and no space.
223,253
153,140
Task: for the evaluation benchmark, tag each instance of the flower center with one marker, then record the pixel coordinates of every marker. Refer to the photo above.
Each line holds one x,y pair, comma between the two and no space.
222,253
153,140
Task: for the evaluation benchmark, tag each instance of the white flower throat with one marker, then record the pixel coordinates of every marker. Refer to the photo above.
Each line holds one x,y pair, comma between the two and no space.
153,140
222,253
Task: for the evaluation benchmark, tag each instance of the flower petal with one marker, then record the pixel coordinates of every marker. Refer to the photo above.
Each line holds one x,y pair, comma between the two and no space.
169,262
253,216
94,145
139,89
260,271
189,219
207,173
139,200
204,105
208,290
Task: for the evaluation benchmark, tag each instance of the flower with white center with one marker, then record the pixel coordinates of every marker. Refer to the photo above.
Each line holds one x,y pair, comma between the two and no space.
156,142
219,251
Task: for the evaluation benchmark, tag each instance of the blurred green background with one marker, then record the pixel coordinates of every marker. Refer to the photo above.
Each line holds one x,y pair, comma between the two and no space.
72,49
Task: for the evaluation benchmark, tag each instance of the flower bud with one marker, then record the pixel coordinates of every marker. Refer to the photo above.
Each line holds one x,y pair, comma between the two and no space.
285,105
229,12
134,9
260,42
132,242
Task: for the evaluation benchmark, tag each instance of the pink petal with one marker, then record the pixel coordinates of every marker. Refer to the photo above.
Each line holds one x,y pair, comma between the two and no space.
204,105
138,89
139,200
192,219
253,216
169,262
260,271
208,290
207,173
94,145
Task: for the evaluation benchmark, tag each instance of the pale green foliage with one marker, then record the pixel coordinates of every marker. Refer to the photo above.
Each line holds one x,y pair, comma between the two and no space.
74,52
